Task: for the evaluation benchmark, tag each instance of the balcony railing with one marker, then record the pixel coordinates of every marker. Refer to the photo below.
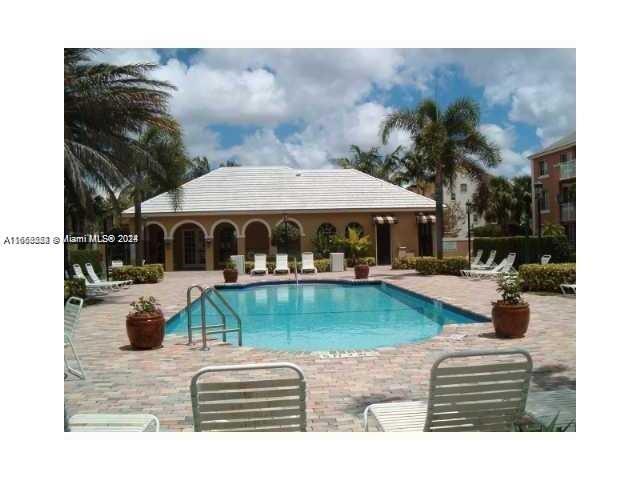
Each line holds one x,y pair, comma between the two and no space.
568,169
567,212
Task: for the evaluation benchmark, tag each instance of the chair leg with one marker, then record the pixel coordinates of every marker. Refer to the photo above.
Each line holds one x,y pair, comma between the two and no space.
80,372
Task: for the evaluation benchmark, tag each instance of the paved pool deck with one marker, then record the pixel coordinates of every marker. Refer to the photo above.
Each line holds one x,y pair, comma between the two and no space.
122,380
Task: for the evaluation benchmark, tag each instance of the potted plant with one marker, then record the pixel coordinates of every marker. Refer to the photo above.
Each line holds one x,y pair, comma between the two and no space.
145,324
357,247
510,315
230,272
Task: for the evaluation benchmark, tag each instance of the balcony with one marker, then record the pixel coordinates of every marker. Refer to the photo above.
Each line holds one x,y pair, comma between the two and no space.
568,212
568,169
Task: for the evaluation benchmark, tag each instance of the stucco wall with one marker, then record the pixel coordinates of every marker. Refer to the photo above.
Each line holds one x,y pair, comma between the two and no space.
403,234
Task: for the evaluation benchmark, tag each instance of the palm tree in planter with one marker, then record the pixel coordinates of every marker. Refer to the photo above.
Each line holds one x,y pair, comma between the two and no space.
357,246
449,140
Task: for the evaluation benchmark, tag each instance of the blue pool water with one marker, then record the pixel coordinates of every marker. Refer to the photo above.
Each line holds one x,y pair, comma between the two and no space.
327,316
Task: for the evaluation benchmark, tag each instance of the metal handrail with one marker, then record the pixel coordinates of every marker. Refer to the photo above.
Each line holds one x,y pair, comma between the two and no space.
233,312
202,314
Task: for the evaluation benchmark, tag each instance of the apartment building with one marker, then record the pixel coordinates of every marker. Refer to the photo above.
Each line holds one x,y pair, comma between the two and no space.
553,176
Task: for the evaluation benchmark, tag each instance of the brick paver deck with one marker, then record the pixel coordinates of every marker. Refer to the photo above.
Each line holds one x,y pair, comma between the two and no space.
121,380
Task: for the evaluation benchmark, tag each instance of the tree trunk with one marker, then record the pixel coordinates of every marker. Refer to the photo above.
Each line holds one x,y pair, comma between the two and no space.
65,246
439,212
138,227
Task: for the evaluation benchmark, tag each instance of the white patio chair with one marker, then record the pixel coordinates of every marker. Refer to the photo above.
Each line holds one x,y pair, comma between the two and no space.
96,288
107,422
97,281
270,402
260,264
468,391
505,266
307,263
72,309
545,259
568,288
477,259
282,263
489,264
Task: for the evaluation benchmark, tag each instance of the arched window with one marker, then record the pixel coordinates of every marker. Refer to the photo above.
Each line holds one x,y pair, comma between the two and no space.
356,226
326,230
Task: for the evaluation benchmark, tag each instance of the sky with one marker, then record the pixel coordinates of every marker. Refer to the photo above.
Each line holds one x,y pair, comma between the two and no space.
303,107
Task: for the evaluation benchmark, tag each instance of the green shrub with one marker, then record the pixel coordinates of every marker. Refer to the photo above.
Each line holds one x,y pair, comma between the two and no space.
547,278
158,267
145,274
405,263
94,257
557,246
75,287
371,261
446,266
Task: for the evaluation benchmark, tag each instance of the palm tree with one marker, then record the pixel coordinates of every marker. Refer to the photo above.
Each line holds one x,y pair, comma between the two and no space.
448,141
371,161
413,172
159,165
496,203
104,105
522,198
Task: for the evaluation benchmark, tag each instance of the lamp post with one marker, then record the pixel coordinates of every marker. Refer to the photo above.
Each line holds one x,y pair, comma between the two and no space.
538,192
469,207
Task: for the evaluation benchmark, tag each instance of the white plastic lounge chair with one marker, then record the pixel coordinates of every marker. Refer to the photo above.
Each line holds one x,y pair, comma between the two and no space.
489,264
476,261
96,280
307,263
505,266
98,287
282,263
468,391
103,422
260,265
275,402
545,259
568,288
72,310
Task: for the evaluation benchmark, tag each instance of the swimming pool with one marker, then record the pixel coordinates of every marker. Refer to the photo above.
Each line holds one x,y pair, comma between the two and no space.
328,316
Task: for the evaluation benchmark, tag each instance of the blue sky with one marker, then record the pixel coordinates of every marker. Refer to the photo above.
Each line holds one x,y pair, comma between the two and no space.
303,107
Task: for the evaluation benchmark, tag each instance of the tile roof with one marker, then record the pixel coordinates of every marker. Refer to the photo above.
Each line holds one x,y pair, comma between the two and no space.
563,142
284,189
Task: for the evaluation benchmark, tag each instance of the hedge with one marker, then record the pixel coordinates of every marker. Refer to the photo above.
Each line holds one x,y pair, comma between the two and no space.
146,274
75,287
547,278
404,263
445,266
323,265
94,257
556,246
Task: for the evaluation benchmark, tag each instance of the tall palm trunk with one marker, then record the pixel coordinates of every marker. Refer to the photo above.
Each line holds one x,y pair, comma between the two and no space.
439,212
138,223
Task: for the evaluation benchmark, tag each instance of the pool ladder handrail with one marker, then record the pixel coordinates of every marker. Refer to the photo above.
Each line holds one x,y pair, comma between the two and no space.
206,329
233,312
295,269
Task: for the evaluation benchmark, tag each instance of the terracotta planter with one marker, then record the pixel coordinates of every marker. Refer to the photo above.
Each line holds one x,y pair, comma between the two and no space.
362,271
230,275
146,330
510,321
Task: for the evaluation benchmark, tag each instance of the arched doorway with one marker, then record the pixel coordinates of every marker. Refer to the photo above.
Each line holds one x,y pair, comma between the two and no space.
154,244
257,238
225,244
189,247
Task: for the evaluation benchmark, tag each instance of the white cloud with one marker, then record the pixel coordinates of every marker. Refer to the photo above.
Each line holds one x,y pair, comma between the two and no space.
513,162
125,56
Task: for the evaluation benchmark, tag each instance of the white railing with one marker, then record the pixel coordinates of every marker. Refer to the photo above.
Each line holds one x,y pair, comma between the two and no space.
567,212
568,169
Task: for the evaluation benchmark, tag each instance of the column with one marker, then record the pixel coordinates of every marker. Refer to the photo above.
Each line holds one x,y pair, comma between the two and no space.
241,246
168,254
208,251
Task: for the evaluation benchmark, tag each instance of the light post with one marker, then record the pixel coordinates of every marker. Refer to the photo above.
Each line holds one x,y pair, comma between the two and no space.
469,207
538,193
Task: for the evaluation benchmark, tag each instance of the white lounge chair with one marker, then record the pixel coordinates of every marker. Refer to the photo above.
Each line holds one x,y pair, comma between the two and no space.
468,391
476,261
307,263
105,422
72,309
99,288
260,264
545,259
568,288
505,266
489,264
97,281
282,263
272,401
